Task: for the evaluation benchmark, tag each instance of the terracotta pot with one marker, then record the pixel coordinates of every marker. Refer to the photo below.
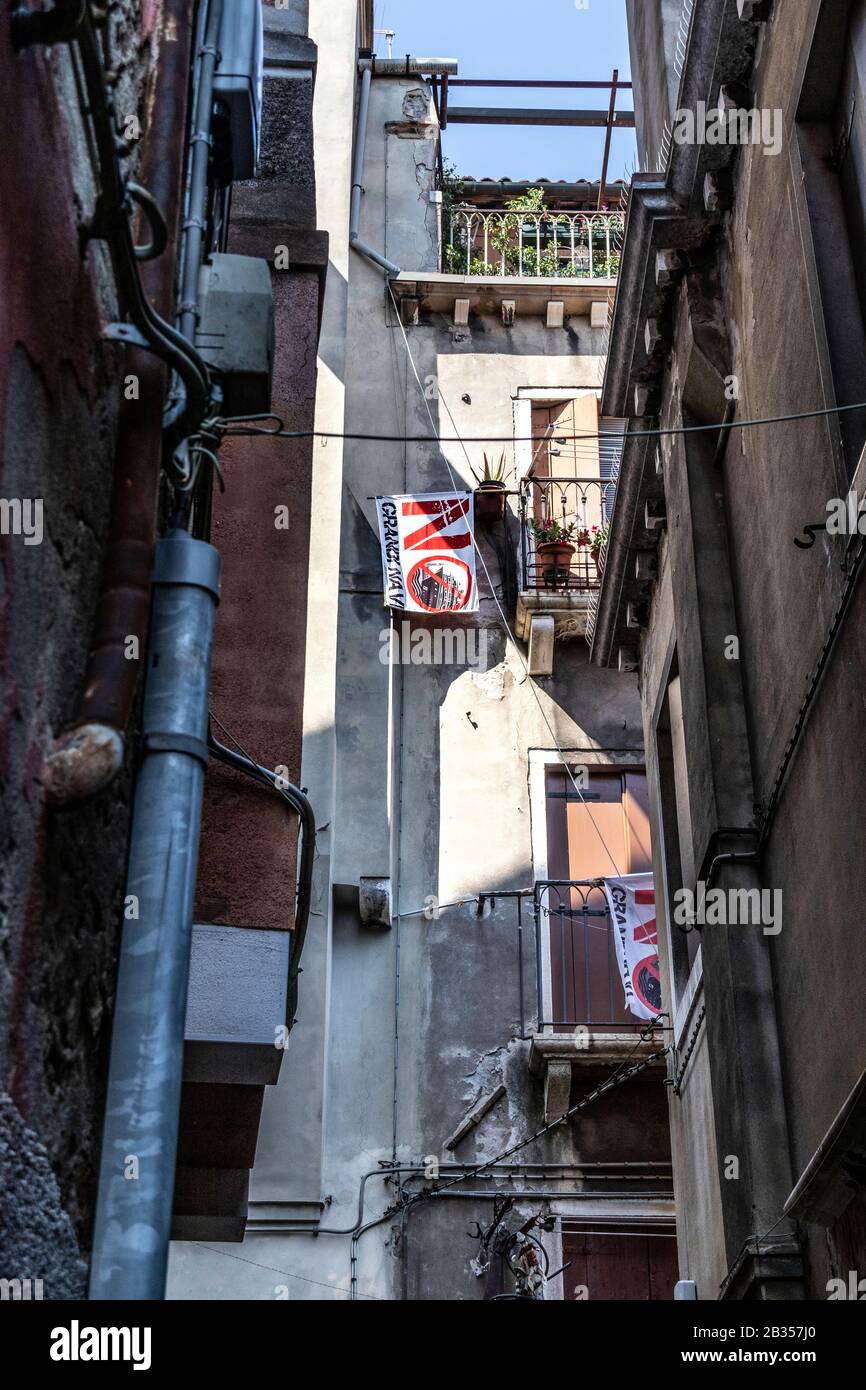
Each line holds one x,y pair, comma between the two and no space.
553,555
490,499
596,555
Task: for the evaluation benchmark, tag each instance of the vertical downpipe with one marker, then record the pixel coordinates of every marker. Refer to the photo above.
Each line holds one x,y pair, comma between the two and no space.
136,1179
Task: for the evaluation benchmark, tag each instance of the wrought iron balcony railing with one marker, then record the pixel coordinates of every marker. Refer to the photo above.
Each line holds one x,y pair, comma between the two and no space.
581,507
579,981
572,245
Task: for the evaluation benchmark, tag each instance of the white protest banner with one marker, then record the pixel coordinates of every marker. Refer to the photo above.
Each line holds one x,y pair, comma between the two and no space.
428,552
631,900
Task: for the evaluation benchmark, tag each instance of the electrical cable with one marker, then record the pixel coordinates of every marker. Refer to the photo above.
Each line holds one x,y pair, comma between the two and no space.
287,1274
588,435
111,222
302,807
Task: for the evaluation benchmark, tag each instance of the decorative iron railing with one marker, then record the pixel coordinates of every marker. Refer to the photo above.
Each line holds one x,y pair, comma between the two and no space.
581,507
579,981
572,245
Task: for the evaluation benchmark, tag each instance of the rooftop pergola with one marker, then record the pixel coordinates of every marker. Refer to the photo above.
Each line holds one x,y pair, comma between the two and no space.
607,119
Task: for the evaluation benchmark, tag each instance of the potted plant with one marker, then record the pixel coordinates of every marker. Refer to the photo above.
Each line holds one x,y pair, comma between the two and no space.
491,490
553,548
597,538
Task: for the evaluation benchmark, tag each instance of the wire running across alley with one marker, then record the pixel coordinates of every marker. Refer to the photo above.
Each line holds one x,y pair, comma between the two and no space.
660,432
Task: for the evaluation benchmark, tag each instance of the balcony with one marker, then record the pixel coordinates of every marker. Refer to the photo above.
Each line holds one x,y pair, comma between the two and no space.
557,586
526,245
548,263
582,1018
582,986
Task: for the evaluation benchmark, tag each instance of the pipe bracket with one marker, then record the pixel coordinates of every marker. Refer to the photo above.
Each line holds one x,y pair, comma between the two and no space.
181,559
187,744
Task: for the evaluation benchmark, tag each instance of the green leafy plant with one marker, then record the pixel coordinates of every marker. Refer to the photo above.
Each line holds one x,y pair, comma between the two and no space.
522,240
597,537
552,532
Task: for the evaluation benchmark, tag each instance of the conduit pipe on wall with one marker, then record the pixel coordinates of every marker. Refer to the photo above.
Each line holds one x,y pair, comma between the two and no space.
85,758
396,67
193,237
300,803
134,1203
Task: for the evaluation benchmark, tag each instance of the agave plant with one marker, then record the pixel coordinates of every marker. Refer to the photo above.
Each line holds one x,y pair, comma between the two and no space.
493,474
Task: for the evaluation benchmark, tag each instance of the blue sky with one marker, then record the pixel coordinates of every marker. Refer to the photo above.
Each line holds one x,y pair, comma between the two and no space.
526,39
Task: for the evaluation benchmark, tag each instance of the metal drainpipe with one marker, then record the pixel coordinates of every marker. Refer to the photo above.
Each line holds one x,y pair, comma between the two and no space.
136,1179
358,177
402,67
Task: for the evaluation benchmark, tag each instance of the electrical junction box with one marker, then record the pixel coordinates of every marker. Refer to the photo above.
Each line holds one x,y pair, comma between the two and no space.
235,333
238,80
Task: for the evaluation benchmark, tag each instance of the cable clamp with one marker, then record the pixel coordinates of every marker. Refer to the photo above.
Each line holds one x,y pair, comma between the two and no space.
209,48
187,306
187,744
126,333
194,222
201,137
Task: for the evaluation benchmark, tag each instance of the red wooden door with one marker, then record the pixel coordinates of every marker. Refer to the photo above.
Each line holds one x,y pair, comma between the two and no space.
606,1267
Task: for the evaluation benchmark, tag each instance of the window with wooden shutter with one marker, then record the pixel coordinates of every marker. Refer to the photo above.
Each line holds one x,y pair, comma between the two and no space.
601,830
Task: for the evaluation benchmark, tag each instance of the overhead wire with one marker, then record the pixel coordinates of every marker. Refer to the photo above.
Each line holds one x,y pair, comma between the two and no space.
659,432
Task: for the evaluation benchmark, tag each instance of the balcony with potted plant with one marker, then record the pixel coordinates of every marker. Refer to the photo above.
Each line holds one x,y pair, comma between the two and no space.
563,526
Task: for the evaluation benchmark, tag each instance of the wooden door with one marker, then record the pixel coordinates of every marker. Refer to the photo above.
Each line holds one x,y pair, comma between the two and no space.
633,1267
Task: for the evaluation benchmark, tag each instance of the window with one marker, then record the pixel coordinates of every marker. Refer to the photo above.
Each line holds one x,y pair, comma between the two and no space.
603,829
831,125
557,453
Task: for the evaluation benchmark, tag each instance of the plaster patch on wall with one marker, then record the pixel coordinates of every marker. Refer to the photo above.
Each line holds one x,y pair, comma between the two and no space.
493,684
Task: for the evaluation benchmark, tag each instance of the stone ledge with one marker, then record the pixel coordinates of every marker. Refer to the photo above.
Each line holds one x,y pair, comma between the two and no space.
601,1047
530,295
766,1270
568,608
553,1056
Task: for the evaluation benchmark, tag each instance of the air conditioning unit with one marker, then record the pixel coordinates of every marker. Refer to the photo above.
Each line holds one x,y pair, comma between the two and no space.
235,332
238,80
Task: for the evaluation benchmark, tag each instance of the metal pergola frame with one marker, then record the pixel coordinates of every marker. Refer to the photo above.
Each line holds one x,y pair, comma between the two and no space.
608,120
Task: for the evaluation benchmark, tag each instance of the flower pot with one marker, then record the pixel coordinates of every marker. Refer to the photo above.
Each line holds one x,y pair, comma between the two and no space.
553,556
490,500
596,555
